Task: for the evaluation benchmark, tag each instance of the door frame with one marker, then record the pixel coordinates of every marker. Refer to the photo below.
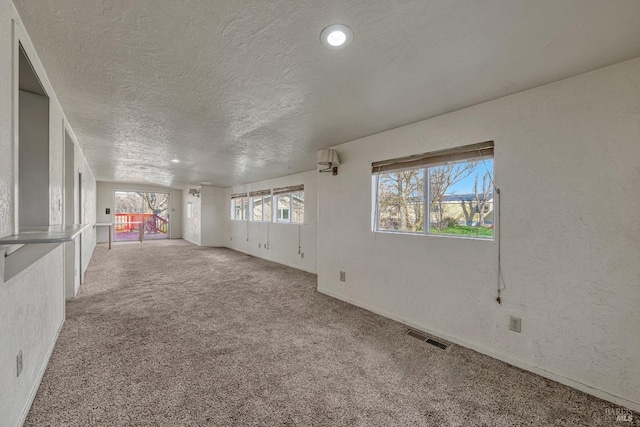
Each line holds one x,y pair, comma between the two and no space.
113,214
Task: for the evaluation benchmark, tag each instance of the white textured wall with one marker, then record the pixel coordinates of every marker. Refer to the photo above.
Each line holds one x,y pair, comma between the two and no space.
88,209
213,216
31,303
56,163
6,122
105,199
566,161
84,245
31,315
207,226
245,236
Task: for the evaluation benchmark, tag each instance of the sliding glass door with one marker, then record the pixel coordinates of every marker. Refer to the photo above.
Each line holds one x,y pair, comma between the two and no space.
141,215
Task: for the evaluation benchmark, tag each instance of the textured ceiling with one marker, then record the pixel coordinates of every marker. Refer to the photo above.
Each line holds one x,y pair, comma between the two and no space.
242,90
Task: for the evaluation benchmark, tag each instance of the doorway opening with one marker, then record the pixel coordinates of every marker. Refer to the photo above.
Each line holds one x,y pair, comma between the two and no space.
141,215
80,219
71,249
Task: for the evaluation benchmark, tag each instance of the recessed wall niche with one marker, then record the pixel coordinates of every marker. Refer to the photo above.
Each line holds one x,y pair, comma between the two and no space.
33,143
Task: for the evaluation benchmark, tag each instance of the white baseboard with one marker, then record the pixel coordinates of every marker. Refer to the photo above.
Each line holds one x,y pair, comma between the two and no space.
297,267
634,406
193,243
36,386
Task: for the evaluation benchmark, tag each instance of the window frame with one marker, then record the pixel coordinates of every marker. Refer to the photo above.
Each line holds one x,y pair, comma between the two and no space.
292,210
244,213
283,214
247,214
277,194
425,194
261,195
427,171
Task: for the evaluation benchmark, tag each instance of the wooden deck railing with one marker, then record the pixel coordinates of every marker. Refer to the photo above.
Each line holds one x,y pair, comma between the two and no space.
128,222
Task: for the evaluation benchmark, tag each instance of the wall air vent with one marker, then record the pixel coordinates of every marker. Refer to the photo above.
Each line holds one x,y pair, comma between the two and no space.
436,342
416,334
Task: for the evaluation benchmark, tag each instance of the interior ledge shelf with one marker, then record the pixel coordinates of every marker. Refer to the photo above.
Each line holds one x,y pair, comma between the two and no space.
19,251
48,234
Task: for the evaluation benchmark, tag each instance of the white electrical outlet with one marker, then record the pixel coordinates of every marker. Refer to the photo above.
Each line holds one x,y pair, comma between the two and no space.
515,324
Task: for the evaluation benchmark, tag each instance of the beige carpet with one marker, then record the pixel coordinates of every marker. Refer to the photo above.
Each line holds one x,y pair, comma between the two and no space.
169,334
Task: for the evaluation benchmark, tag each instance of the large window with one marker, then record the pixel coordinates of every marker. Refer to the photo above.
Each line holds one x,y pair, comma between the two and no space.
448,192
284,208
139,214
261,205
401,201
289,204
240,207
286,205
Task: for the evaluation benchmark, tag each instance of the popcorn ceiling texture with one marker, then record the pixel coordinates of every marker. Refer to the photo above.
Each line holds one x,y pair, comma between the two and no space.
242,91
227,339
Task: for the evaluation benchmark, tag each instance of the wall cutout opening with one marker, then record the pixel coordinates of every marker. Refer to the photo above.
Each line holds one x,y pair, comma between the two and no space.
33,151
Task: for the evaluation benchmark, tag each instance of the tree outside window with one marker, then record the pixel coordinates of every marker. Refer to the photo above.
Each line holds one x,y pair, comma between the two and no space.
460,199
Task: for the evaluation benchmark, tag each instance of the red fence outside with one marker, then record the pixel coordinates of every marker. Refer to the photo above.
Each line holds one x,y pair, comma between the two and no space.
152,222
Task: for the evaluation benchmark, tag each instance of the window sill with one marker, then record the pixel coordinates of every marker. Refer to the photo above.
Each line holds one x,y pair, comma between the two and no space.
19,251
46,234
446,236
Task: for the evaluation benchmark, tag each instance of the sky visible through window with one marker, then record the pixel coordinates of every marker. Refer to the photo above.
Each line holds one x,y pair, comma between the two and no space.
460,199
466,185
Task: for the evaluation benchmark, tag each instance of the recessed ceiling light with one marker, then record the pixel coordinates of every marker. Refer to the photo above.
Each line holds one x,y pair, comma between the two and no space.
175,161
336,36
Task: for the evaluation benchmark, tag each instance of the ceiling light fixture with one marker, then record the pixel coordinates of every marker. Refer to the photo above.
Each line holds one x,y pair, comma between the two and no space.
336,36
175,161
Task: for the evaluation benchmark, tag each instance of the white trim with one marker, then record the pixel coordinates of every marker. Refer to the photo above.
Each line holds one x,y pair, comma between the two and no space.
426,197
634,406
43,368
297,267
193,243
15,123
448,236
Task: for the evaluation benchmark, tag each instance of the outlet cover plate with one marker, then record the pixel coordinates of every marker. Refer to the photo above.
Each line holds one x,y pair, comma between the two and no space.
343,276
515,324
